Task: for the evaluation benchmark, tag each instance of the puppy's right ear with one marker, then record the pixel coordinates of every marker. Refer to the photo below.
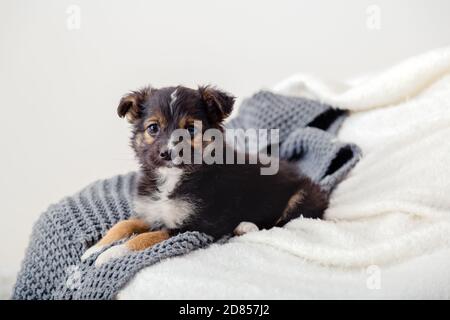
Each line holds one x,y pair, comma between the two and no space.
131,105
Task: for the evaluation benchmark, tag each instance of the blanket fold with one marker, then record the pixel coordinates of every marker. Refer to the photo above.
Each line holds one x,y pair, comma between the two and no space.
401,82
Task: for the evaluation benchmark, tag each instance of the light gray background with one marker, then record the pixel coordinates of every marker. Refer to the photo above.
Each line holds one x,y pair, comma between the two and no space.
59,88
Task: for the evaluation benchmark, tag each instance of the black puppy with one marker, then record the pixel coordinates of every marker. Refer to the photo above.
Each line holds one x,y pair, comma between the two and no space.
217,199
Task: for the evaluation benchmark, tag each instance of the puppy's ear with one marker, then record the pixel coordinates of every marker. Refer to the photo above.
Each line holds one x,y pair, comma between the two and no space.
131,105
219,104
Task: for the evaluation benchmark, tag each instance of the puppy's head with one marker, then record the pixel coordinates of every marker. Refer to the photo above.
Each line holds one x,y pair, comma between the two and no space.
156,113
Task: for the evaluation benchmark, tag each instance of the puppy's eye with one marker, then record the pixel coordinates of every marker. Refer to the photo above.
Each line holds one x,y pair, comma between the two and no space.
192,130
153,129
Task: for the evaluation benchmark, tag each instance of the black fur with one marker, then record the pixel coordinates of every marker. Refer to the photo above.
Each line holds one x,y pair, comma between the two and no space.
224,194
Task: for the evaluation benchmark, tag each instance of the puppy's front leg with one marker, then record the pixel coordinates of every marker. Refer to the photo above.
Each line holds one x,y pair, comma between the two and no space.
140,242
146,240
122,229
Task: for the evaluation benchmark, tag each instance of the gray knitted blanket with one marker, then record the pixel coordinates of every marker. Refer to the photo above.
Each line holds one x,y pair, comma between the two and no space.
52,268
307,134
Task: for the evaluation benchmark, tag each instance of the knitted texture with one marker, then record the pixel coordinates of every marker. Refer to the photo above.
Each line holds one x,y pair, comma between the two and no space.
52,268
307,131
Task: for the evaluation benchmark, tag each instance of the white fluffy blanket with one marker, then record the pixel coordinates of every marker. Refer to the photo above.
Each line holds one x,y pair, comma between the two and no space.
387,233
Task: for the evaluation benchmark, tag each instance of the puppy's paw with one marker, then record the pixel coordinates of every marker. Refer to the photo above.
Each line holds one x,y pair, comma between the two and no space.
112,253
245,227
92,250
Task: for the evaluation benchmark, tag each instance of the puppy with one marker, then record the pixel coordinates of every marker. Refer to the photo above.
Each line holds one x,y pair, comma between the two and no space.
217,199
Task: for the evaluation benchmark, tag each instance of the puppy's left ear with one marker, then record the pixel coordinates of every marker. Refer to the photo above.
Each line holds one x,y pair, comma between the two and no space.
131,105
219,103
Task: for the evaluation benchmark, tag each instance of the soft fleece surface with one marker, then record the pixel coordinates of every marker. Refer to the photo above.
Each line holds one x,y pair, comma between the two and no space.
387,233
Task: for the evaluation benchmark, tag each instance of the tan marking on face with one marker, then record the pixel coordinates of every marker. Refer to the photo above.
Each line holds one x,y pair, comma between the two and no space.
156,118
139,139
146,240
149,139
151,120
197,140
124,229
186,121
183,122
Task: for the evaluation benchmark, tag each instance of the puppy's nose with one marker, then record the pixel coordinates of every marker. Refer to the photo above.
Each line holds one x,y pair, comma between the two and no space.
164,154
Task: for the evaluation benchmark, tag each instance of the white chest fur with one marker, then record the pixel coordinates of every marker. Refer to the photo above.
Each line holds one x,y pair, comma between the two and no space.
160,209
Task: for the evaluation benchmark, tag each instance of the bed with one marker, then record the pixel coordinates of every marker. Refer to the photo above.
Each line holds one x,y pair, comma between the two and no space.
387,230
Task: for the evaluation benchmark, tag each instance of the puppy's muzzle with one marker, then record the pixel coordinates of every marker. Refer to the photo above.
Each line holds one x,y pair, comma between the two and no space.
165,154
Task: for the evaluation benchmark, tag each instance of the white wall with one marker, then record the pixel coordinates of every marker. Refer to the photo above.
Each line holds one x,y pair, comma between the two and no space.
59,88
